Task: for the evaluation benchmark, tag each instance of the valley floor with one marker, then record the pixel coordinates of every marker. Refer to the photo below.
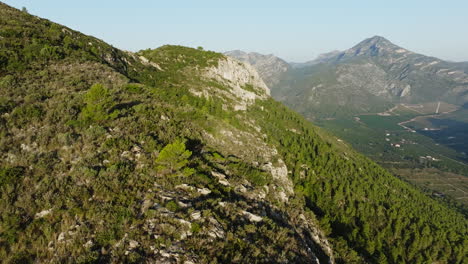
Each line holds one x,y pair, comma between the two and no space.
424,144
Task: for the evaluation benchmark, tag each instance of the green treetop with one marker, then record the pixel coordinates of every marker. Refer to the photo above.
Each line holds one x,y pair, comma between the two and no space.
173,160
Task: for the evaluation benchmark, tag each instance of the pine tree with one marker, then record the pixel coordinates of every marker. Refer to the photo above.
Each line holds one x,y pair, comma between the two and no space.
173,160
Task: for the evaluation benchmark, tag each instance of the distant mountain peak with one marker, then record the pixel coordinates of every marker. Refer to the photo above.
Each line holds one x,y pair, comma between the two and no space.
377,39
374,46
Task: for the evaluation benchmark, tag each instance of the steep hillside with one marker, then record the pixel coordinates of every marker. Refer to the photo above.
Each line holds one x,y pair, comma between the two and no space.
178,155
102,162
377,95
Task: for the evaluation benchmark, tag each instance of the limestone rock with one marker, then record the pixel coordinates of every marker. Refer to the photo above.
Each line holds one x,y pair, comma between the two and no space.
252,217
269,67
43,213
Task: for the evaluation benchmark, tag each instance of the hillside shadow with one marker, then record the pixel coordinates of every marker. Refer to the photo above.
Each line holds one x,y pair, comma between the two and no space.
452,134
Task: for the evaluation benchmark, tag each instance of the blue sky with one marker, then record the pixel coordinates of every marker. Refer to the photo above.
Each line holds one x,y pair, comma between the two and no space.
296,30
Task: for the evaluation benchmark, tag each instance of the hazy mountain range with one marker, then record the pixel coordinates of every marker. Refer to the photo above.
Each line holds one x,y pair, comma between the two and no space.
367,77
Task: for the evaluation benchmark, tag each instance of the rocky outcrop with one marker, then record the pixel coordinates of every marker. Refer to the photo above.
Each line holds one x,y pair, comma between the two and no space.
269,67
238,74
243,80
372,78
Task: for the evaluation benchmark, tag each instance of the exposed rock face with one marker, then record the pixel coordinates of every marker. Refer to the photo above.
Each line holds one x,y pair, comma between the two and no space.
239,74
235,142
252,217
147,62
244,81
373,79
269,66
400,74
280,173
43,213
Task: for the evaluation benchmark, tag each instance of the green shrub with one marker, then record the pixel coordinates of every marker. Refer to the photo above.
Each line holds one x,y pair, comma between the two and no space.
196,228
98,101
173,160
134,88
172,206
8,81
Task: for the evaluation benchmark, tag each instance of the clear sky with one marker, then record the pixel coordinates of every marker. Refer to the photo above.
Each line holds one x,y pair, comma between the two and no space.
296,30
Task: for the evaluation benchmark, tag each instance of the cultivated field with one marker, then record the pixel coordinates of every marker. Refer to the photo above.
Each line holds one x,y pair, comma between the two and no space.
440,182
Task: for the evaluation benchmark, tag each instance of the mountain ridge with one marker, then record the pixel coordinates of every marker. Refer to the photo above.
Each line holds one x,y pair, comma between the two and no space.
324,57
